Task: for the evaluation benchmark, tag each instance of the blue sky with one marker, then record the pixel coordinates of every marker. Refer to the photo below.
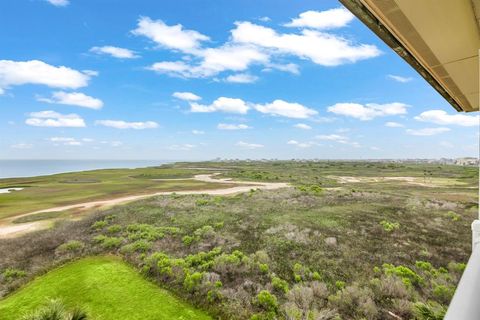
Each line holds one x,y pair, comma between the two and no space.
85,79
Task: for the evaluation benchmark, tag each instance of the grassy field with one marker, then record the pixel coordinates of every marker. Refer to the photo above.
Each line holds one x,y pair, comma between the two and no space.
106,288
322,249
70,188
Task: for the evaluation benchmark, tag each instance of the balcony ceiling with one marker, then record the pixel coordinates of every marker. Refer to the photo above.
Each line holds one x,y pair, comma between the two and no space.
440,39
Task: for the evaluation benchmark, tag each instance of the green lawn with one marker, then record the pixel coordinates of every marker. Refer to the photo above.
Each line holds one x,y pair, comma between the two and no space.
106,287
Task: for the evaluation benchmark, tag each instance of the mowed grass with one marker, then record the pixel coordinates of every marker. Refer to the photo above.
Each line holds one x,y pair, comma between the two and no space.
70,188
106,287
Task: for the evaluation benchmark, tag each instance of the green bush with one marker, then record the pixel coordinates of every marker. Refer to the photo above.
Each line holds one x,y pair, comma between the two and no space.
139,231
71,246
312,188
204,232
192,281
202,202
114,228
429,311
11,274
340,284
98,225
280,284
267,301
263,267
389,226
108,242
55,310
137,246
408,276
453,216
443,293
425,266
188,240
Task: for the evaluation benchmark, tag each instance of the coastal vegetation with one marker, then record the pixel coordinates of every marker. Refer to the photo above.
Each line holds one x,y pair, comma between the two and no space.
382,245
70,188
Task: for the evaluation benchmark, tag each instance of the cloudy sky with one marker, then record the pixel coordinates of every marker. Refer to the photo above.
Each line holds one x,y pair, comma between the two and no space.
90,79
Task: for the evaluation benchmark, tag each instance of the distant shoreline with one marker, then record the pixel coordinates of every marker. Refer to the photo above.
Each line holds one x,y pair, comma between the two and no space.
35,168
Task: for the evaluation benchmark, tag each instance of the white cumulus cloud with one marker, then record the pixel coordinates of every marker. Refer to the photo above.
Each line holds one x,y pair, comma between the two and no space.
394,124
227,126
187,96
182,147
115,52
120,124
321,48
328,19
369,110
427,131
74,99
332,137
286,109
222,104
247,145
198,132
16,73
50,118
443,118
302,126
59,3
251,44
172,37
301,144
241,78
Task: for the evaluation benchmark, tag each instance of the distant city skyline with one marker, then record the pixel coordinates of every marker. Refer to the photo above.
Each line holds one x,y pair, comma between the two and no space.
197,81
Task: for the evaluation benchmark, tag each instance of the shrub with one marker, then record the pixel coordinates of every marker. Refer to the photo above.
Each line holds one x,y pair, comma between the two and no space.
263,267
429,311
219,225
356,302
389,226
192,281
443,293
425,266
137,246
204,232
71,246
267,301
316,276
202,202
114,228
140,231
280,284
312,188
340,284
457,267
11,274
453,216
108,242
188,240
213,296
408,276
55,310
98,225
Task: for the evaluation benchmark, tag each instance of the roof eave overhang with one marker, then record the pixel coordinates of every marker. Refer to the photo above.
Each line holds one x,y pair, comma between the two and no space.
373,23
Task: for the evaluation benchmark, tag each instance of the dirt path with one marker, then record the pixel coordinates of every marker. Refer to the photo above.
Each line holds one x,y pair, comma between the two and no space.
8,229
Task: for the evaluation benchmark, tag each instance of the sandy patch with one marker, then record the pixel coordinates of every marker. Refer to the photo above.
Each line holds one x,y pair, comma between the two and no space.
418,181
7,229
8,190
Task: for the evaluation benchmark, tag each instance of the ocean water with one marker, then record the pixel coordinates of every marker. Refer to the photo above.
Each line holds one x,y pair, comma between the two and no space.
31,168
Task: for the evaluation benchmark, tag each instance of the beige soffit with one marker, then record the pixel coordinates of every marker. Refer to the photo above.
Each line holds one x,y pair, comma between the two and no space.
440,39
